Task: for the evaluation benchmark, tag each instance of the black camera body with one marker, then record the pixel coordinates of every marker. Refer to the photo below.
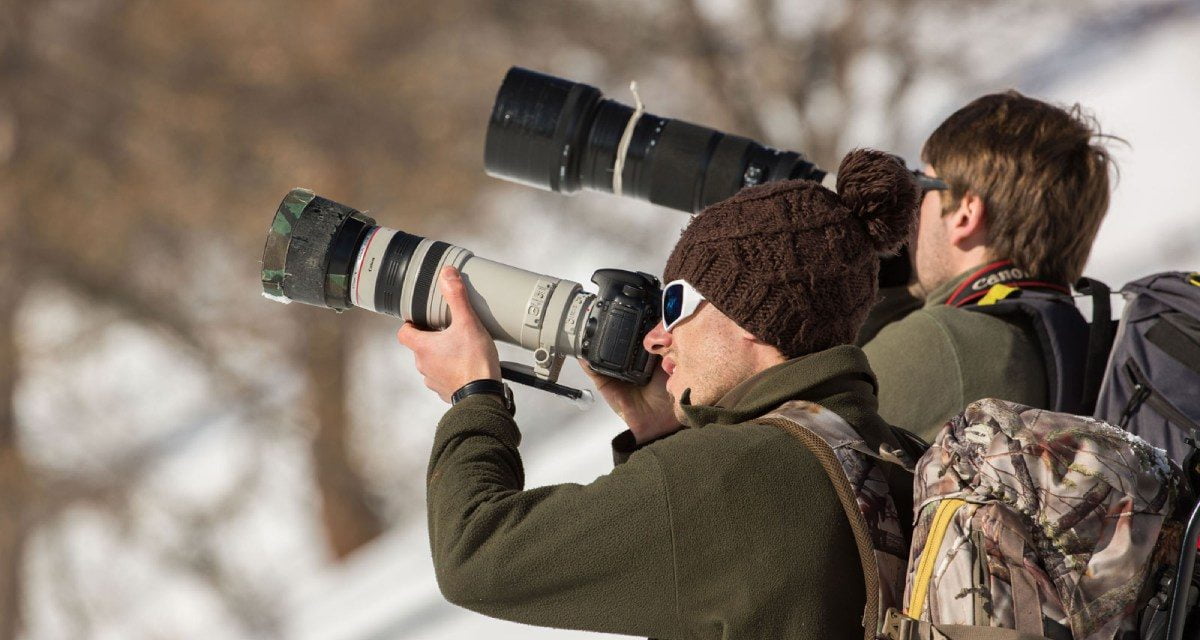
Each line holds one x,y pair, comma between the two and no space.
626,309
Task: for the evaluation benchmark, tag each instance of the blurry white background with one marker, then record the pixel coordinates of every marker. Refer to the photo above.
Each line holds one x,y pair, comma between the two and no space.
181,458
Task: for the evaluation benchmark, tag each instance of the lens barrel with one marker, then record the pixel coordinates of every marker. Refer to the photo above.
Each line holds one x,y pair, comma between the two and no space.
386,259
329,255
538,125
562,136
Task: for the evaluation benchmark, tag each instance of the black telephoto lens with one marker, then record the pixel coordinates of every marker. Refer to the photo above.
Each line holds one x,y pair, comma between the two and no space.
537,129
562,136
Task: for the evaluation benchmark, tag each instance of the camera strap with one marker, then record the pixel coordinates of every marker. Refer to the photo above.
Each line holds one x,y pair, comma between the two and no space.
626,138
978,285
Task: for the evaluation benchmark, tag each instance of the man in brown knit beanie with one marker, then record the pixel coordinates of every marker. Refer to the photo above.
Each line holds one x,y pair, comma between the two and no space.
720,519
789,262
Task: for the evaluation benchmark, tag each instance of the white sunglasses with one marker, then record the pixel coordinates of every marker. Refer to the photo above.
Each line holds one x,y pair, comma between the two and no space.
679,302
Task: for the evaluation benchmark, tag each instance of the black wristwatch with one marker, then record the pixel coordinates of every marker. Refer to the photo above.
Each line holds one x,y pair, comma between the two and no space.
486,385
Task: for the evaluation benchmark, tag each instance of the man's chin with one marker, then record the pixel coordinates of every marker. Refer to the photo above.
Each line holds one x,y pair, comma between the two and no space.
679,414
677,400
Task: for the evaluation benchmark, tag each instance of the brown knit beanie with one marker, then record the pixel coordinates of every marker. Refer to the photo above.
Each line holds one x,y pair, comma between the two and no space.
795,263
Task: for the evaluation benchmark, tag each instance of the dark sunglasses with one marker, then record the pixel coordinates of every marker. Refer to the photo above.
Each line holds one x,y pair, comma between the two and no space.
929,183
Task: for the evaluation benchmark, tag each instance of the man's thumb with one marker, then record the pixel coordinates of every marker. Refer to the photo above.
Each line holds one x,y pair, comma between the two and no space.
454,290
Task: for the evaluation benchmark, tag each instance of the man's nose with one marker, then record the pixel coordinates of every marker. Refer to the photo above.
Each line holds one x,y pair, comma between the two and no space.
657,340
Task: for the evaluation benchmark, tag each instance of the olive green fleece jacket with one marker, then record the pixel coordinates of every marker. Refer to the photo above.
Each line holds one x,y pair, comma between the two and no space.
726,529
932,360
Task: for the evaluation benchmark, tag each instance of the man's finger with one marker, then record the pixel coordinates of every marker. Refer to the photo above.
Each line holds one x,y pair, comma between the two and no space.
409,335
587,368
454,290
604,384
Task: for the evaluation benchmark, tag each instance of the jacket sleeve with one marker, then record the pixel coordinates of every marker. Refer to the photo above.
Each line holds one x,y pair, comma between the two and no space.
625,445
597,557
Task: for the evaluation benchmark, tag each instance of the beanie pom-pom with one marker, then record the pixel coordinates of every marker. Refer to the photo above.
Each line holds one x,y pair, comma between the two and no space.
880,191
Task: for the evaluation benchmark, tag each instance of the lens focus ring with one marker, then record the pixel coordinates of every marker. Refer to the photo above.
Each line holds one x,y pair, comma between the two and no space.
390,285
424,283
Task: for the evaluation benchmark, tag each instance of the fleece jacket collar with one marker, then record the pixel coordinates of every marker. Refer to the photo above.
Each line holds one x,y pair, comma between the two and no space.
838,379
941,294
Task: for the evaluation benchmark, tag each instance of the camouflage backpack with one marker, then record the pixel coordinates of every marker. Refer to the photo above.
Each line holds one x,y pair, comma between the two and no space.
860,480
1035,524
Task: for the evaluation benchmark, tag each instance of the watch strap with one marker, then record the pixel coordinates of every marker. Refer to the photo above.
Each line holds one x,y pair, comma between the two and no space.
488,386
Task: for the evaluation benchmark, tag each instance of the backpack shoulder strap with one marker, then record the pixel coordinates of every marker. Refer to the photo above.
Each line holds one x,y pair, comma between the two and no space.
862,489
1062,335
1101,333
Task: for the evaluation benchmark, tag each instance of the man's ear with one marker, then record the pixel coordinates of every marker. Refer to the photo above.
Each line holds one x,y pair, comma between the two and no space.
966,226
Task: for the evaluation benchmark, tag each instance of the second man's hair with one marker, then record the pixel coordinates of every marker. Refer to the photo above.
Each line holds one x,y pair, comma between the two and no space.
1042,172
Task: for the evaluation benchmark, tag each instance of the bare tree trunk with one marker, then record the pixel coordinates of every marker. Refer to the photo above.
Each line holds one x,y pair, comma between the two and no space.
349,520
15,484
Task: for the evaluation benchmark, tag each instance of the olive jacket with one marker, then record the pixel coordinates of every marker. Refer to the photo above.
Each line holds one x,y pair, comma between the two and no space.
725,529
933,359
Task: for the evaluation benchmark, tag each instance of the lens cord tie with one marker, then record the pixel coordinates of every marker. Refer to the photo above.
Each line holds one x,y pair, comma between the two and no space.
623,147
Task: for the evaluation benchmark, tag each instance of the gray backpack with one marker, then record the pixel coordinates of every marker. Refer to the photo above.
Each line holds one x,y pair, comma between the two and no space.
1151,385
1142,373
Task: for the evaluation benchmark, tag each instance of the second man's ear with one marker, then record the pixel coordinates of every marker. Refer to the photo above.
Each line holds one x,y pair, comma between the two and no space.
966,226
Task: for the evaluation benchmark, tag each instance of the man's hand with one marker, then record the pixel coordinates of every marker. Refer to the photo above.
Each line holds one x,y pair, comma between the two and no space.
649,411
458,354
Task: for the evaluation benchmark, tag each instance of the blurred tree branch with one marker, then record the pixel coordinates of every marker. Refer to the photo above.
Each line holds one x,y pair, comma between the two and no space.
714,55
